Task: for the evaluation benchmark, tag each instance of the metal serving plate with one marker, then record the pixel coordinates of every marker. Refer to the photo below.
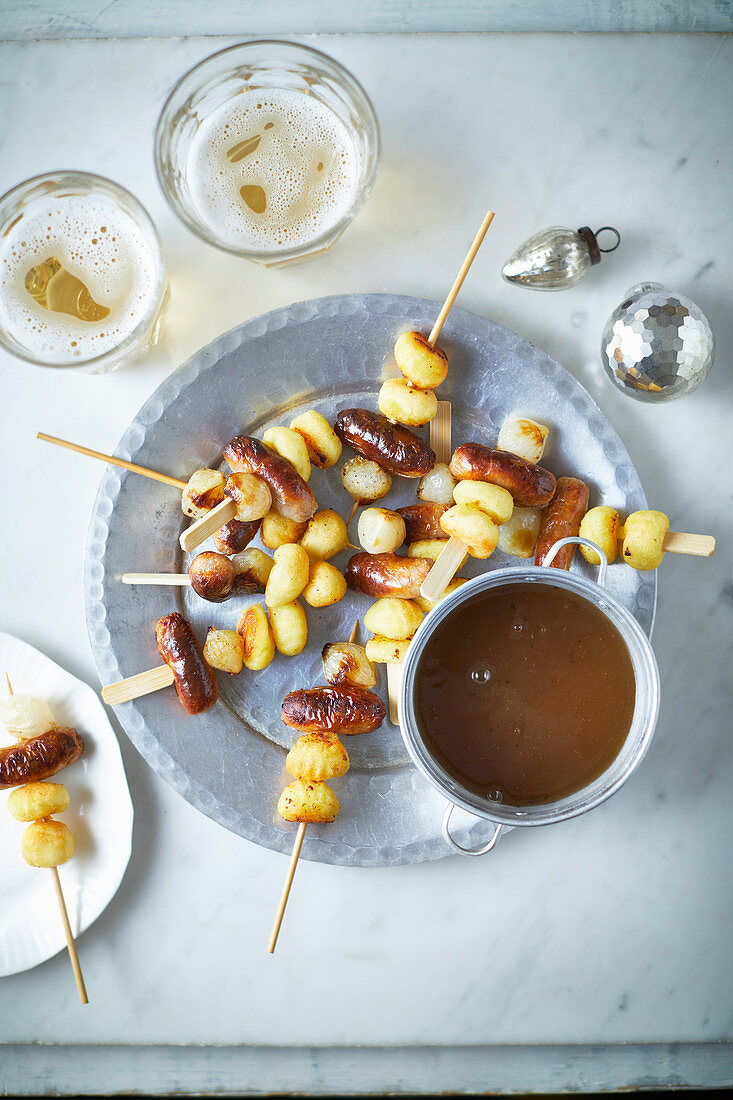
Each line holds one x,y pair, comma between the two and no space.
326,354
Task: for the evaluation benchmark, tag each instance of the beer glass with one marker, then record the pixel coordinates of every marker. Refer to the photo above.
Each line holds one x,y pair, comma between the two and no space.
268,150
82,281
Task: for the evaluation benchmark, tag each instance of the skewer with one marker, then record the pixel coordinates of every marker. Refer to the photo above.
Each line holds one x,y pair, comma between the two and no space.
112,460
70,941
199,531
295,856
394,685
153,679
458,282
440,432
156,578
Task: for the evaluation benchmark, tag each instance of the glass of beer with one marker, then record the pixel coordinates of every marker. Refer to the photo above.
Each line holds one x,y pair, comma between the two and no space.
267,150
82,282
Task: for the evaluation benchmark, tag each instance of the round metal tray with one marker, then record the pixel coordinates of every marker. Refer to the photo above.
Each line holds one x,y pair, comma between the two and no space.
326,354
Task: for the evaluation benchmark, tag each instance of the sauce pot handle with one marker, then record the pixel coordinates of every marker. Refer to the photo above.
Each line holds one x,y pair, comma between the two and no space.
556,546
458,847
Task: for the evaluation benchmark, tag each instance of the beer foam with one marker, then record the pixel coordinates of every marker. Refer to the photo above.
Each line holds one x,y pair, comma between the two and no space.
99,243
305,162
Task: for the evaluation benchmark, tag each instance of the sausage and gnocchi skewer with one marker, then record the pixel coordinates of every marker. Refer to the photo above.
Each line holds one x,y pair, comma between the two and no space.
42,751
347,706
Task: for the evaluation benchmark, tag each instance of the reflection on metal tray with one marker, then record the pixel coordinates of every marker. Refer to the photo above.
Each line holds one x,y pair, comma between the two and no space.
326,354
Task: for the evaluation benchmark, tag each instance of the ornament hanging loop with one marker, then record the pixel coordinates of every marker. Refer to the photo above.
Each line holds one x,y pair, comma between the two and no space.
609,229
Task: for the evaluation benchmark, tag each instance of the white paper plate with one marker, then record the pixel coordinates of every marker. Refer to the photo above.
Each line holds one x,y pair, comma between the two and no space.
99,816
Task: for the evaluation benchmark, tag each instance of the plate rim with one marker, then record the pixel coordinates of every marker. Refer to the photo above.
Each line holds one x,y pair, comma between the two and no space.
205,358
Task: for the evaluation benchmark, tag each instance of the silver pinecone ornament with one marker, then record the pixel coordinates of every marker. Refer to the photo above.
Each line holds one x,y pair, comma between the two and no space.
657,346
556,258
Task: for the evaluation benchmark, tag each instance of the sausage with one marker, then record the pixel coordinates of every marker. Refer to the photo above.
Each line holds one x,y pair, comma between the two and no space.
392,446
423,521
387,574
234,536
333,710
531,486
212,576
290,494
179,647
561,519
39,757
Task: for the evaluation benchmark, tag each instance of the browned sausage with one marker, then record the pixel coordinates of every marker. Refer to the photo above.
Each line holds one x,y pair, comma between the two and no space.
423,521
387,574
179,647
531,486
290,494
39,757
234,536
392,446
561,519
333,710
212,576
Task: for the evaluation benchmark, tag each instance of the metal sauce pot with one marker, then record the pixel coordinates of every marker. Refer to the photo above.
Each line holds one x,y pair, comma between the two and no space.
646,706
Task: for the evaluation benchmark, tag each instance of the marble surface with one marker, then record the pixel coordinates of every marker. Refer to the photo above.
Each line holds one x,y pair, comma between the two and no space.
610,928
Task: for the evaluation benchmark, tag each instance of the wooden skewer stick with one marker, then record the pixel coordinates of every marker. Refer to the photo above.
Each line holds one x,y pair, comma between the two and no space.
682,542
440,432
352,513
458,283
295,856
134,686
70,941
299,838
394,686
447,564
199,531
113,461
181,579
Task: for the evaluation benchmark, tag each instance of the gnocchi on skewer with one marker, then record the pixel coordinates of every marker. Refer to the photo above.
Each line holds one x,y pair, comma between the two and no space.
46,843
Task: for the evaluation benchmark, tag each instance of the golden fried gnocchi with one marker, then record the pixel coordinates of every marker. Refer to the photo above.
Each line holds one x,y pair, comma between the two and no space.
406,404
288,576
316,757
524,437
496,502
256,633
224,650
35,800
324,446
347,663
277,530
383,650
423,364
473,527
47,844
393,617
289,628
326,585
364,480
289,444
430,548
601,526
308,801
325,535
205,489
643,539
518,536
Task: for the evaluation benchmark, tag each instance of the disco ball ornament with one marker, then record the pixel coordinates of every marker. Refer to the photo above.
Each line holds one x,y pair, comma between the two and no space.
657,345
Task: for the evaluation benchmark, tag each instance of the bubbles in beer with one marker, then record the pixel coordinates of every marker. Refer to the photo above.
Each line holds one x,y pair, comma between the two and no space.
77,275
272,170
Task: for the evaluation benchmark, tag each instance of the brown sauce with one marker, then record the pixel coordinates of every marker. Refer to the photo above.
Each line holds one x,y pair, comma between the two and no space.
525,694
